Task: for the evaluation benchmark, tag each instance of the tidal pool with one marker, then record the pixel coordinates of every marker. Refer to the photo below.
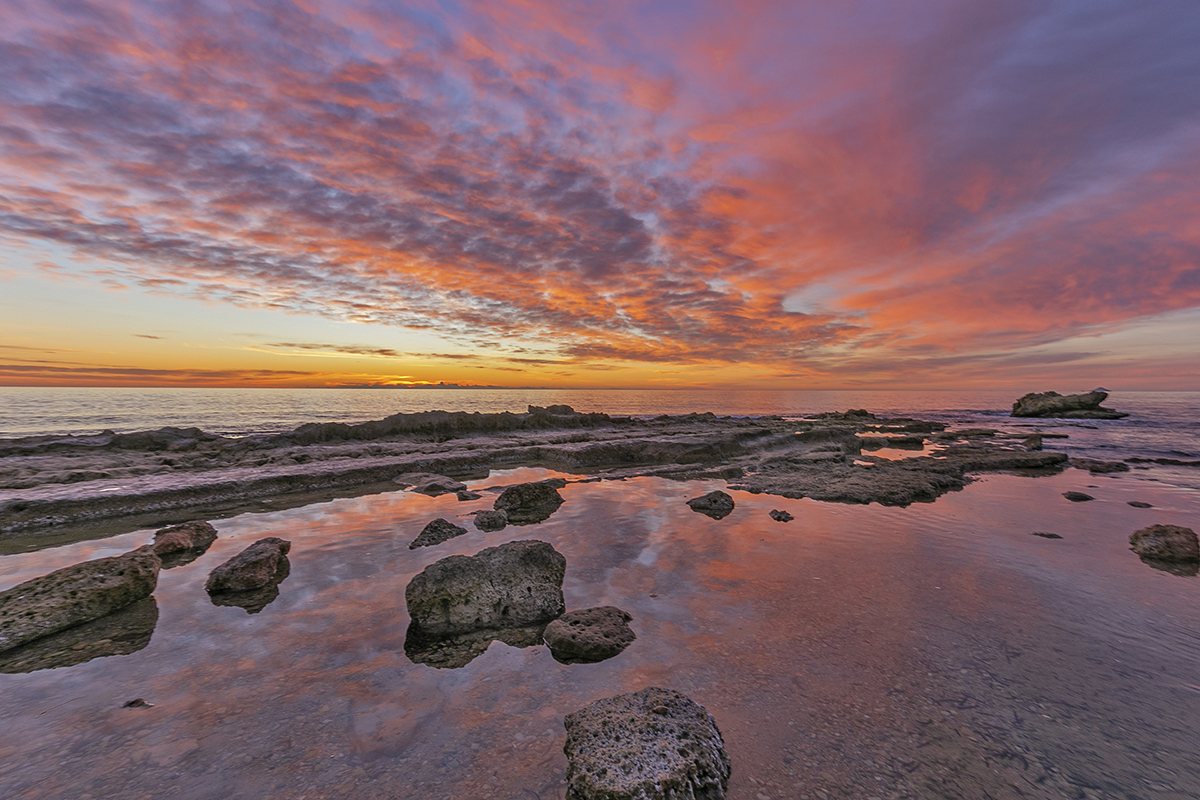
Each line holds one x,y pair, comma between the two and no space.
937,651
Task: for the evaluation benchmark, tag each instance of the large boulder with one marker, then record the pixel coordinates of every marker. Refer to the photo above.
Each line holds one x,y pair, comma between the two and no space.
510,586
257,566
589,635
74,595
716,504
529,503
1072,406
655,744
436,532
1166,543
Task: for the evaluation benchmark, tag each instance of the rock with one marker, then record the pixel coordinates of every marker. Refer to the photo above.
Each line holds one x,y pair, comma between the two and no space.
491,521
255,600
1045,535
452,652
530,503
1096,466
1074,406
436,532
182,544
430,483
590,635
137,702
513,585
781,516
717,505
1140,504
464,496
895,442
253,568
558,410
1078,497
74,595
1166,543
1033,441
117,634
655,744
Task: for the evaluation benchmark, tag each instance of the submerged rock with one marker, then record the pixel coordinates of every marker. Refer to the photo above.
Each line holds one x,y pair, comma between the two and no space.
255,600
452,652
74,595
488,521
253,568
530,503
655,744
182,544
513,585
590,635
436,532
1166,543
1078,497
1099,467
780,516
117,634
717,505
1072,406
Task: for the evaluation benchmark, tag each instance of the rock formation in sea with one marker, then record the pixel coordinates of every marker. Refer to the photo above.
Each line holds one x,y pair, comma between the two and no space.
253,568
589,635
436,532
76,594
1072,406
1078,497
717,505
530,503
1166,543
514,585
780,516
183,544
656,744
491,520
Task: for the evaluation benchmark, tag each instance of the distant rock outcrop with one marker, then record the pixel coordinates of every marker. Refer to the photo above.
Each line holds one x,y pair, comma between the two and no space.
489,521
1072,406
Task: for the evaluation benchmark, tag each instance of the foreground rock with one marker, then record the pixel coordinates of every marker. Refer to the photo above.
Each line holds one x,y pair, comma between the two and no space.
1166,543
655,744
436,532
75,595
513,585
117,634
780,516
255,600
1072,406
254,568
530,503
489,521
717,505
590,635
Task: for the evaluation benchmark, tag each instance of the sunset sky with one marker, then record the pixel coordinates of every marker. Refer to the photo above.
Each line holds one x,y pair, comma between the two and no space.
806,194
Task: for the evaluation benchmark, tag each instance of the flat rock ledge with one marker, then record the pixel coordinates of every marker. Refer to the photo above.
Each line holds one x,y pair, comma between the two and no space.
514,585
436,532
716,504
253,568
656,744
1166,543
1072,406
589,635
76,594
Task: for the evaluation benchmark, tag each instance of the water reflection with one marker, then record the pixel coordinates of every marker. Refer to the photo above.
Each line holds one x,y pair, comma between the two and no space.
118,634
1184,569
457,651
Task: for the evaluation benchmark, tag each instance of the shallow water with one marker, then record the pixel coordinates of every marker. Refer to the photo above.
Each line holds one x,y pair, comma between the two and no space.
934,651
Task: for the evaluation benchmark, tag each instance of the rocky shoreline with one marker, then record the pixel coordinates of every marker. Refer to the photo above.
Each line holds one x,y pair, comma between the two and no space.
114,482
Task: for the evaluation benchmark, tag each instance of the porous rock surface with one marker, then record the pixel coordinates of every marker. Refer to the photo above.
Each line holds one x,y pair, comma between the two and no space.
513,585
253,568
1166,543
436,532
716,504
656,744
589,635
197,535
1072,406
780,516
76,594
488,521
529,503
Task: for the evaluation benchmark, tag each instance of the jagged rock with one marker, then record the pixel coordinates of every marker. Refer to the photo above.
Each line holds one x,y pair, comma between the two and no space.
655,744
513,585
452,652
430,484
488,521
117,634
1099,467
1166,543
780,516
1139,504
529,503
589,635
74,595
1073,406
436,532
1078,497
717,505
255,600
189,538
253,568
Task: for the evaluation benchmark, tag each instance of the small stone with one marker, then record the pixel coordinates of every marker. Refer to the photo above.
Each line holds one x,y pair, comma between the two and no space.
530,503
716,504
465,495
590,635
1078,497
138,703
436,532
1166,543
1140,504
781,516
1045,535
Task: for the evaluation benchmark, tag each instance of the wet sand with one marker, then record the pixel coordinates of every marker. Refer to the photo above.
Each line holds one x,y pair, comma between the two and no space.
934,651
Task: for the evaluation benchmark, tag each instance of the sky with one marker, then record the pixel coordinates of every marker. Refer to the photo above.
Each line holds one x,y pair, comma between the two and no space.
807,194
